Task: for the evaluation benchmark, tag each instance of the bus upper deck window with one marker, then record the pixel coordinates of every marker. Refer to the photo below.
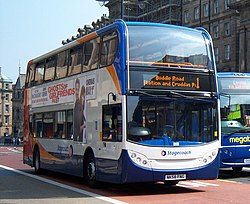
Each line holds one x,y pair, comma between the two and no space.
75,60
91,53
39,73
108,49
50,69
30,75
62,65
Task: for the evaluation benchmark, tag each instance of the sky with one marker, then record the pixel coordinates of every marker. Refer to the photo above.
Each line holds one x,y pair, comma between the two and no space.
30,28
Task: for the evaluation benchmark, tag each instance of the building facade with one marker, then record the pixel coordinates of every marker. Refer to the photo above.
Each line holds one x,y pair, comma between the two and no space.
243,7
18,108
222,20
5,105
228,22
160,11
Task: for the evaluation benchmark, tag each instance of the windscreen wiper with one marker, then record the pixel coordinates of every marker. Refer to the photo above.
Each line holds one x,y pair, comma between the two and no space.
173,93
243,130
151,95
189,97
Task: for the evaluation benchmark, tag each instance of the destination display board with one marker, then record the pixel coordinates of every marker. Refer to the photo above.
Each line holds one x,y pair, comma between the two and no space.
234,85
171,81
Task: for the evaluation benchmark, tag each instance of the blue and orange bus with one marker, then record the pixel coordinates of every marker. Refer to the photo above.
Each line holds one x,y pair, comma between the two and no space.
130,102
235,119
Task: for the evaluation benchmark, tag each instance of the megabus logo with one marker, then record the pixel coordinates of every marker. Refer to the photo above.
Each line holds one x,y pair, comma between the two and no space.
240,140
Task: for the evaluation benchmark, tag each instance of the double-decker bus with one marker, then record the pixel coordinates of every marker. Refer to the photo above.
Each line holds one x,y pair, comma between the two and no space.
130,102
235,119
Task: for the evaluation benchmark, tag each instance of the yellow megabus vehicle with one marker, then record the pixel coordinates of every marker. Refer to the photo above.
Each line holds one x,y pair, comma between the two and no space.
121,105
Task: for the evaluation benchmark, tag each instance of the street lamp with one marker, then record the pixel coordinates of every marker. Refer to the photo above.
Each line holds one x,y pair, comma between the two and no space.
2,97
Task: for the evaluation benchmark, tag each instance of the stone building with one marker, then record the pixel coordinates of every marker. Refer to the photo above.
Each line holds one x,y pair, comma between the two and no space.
164,11
223,22
228,22
243,7
5,105
17,103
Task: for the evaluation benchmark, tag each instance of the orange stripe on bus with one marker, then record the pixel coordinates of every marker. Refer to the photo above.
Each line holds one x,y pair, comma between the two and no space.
112,72
46,155
87,37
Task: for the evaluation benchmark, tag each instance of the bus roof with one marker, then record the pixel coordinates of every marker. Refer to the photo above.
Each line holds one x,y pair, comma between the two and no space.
233,74
160,24
117,23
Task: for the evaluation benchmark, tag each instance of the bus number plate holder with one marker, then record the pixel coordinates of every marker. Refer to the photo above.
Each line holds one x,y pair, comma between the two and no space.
175,177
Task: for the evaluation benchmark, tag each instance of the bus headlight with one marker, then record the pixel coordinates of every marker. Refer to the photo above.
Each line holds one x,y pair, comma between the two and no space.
139,159
209,157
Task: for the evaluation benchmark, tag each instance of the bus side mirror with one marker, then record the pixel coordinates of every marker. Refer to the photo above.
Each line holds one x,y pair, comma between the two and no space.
113,96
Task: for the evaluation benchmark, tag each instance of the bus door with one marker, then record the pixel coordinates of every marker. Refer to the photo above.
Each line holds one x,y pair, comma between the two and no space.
111,131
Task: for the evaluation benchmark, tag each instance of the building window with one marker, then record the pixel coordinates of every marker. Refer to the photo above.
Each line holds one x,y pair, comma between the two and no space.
227,2
7,86
7,108
17,114
216,6
216,54
205,10
196,13
227,50
227,30
6,120
216,31
6,98
186,17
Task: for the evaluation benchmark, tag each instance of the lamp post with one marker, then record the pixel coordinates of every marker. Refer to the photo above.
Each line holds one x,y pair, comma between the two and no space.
122,9
2,97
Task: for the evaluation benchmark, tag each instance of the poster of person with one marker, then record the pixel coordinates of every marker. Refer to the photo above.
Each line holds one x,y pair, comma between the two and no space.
85,89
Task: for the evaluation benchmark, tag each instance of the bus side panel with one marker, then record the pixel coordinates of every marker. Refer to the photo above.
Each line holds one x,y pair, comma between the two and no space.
121,171
61,156
108,170
235,151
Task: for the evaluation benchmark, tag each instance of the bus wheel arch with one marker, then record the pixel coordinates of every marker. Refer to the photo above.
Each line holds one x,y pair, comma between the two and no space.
36,159
89,168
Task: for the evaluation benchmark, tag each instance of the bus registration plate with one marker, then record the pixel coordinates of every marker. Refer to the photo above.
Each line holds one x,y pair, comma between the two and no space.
175,177
247,161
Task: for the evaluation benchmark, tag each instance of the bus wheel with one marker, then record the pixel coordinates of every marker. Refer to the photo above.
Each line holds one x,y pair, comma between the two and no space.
37,161
91,171
237,169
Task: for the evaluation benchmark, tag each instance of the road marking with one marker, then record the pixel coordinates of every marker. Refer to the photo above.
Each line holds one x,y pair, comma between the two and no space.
195,184
13,150
100,197
229,181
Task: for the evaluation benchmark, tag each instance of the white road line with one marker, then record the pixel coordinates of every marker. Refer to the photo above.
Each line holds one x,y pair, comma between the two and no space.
205,183
13,149
195,184
110,200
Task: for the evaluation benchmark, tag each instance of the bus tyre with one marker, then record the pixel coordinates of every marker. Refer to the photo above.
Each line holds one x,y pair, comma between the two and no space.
91,171
237,169
37,161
